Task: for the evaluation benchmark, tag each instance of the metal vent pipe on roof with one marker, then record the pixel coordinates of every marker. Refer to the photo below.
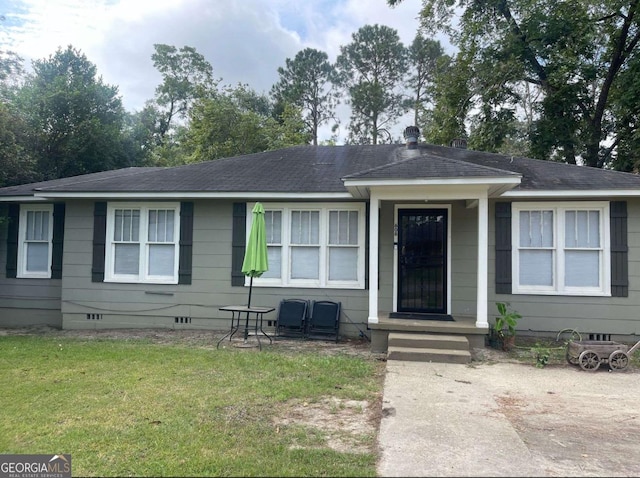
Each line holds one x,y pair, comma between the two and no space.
459,143
411,135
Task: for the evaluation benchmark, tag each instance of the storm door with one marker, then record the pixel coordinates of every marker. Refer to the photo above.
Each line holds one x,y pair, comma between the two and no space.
422,260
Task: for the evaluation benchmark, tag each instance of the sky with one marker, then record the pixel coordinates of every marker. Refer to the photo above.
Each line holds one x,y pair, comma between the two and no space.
245,41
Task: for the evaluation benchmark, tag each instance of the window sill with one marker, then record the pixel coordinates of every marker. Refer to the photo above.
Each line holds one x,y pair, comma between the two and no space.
563,293
309,286
146,282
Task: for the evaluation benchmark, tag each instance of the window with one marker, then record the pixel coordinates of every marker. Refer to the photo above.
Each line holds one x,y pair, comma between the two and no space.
314,245
34,241
561,248
142,243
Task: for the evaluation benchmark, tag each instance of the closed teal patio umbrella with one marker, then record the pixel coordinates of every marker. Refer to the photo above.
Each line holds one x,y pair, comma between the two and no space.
255,255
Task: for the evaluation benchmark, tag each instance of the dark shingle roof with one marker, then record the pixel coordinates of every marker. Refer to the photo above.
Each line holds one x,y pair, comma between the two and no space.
321,169
546,175
27,189
414,163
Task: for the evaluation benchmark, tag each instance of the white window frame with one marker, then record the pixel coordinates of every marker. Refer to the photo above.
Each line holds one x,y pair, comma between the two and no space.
142,276
23,273
558,267
323,281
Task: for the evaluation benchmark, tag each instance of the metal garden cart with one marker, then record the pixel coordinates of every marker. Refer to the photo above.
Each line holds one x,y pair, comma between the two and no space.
589,354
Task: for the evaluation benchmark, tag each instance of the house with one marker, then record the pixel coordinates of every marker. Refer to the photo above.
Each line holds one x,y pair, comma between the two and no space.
399,234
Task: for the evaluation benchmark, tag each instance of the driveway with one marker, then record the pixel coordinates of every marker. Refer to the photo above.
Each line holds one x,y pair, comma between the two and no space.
509,419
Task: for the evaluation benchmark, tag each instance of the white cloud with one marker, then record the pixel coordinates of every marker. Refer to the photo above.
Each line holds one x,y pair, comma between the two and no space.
244,40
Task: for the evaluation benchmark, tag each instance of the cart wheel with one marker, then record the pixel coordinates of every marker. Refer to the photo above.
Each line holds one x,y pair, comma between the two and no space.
618,360
589,360
571,359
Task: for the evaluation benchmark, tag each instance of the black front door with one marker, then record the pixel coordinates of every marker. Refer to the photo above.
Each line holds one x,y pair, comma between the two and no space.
422,260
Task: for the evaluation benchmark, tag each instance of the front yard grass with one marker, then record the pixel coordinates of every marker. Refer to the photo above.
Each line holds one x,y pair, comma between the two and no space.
136,408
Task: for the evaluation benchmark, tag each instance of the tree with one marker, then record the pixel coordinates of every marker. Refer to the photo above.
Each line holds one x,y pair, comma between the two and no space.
186,77
372,68
426,59
307,83
11,72
74,119
452,102
575,51
235,122
17,166
626,118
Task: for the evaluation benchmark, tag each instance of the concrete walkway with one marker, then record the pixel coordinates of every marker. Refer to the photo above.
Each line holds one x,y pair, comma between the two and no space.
508,419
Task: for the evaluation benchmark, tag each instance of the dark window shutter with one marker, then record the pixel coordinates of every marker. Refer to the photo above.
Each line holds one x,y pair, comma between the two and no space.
12,241
619,249
99,240
503,248
238,242
186,243
57,240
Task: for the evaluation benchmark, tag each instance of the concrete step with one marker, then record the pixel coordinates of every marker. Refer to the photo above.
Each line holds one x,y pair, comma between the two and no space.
421,354
428,341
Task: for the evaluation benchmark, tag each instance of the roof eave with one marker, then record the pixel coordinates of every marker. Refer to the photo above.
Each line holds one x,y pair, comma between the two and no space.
571,193
258,195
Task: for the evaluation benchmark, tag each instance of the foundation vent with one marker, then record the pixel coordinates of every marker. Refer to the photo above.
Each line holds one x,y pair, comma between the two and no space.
600,337
94,316
182,320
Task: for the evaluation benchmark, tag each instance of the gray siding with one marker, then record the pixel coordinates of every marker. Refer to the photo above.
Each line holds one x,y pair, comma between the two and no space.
89,304
76,302
550,314
26,302
464,259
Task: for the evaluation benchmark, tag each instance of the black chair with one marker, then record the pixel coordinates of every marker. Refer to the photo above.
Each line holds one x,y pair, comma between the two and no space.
292,317
324,321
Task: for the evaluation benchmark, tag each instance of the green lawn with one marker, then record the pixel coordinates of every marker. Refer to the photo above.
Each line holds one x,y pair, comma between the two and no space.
136,408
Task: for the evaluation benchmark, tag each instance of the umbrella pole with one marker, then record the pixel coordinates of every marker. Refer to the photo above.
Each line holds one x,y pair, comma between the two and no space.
246,323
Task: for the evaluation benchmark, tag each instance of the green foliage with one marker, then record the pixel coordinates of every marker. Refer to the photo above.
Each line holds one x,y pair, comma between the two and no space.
426,59
576,52
371,68
17,166
74,119
452,99
307,84
507,320
186,76
542,354
11,73
230,123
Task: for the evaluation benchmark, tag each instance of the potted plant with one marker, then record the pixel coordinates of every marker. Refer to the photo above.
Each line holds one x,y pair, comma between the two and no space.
505,325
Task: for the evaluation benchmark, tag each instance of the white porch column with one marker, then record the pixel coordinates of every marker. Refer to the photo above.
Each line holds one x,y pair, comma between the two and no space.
483,245
374,240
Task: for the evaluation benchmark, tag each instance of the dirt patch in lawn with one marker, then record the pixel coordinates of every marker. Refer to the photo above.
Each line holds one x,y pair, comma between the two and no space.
343,424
